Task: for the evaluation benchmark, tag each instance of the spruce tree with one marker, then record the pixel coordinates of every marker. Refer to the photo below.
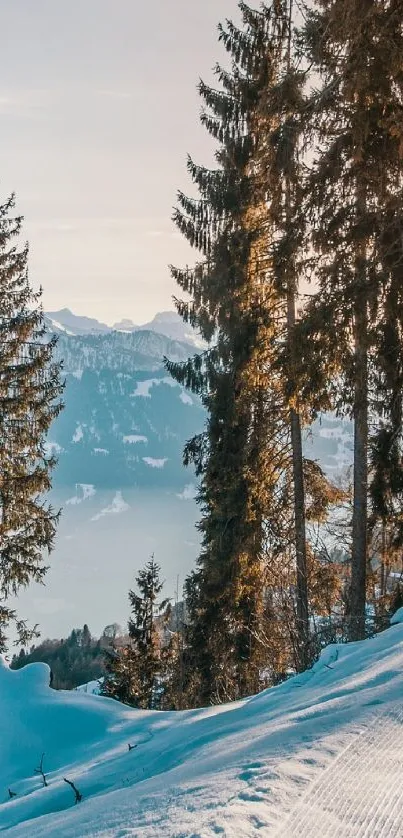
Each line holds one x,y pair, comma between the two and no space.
249,230
355,203
230,226
86,636
30,390
137,671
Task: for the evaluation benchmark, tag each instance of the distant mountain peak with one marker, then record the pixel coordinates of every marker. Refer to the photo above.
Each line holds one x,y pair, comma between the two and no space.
166,323
75,324
166,317
169,323
125,325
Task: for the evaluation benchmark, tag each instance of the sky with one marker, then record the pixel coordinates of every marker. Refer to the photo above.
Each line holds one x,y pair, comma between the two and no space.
98,110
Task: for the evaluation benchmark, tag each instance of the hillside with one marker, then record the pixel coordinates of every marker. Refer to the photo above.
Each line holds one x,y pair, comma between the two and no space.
319,756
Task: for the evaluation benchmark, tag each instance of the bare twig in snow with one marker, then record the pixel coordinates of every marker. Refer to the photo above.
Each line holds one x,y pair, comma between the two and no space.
78,795
41,771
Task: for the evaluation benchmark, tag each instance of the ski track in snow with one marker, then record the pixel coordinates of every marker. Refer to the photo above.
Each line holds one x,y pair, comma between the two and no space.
360,794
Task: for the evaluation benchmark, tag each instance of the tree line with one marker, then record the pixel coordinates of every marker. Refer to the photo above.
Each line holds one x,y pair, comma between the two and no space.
74,660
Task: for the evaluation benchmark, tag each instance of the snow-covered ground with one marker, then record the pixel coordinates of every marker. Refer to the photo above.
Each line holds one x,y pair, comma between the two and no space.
320,756
91,687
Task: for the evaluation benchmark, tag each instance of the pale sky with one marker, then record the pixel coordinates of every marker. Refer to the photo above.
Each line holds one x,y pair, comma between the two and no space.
98,109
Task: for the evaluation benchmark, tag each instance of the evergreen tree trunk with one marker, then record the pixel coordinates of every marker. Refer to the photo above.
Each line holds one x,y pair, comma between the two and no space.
383,560
360,502
295,425
298,481
300,539
359,553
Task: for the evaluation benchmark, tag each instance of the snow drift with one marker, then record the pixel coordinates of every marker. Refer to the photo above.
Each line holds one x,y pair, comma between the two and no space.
320,755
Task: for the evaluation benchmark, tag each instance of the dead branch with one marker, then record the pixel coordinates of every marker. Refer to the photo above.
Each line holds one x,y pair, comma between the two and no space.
78,795
40,771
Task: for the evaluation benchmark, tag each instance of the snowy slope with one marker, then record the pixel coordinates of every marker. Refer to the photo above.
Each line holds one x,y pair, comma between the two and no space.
123,412
319,756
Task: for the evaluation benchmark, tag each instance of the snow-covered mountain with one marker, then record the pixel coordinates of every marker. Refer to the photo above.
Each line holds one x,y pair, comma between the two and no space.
126,349
167,323
125,420
170,324
120,481
318,756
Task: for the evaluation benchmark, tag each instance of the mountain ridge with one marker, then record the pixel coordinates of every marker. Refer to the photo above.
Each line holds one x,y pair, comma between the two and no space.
167,323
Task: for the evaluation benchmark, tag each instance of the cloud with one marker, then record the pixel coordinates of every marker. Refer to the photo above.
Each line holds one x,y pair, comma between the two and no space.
189,492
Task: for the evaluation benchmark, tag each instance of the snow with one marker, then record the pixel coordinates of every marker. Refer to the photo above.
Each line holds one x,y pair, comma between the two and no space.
117,506
319,756
150,461
143,387
53,448
83,492
132,439
397,617
55,324
91,687
78,434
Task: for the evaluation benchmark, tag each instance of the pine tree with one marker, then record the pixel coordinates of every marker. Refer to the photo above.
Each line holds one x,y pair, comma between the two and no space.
136,672
86,636
30,390
355,202
121,674
248,228
229,225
